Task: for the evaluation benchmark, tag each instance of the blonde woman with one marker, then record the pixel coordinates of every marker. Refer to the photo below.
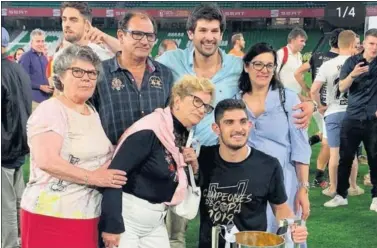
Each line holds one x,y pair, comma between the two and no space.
134,216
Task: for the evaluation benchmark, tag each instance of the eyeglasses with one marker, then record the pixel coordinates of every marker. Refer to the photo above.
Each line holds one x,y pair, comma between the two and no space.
259,66
198,103
79,73
139,35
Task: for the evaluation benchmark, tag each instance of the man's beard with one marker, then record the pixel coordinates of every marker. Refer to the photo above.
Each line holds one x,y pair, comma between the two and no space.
73,38
231,146
204,53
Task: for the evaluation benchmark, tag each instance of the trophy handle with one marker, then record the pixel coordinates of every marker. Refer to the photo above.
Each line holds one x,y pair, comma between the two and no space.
287,222
215,236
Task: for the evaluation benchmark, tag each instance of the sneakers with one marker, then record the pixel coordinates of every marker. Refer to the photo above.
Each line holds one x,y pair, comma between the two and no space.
314,139
363,159
355,191
328,192
320,183
338,201
367,180
373,206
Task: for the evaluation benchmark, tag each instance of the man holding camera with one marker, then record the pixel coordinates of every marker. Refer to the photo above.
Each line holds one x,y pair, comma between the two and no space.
358,76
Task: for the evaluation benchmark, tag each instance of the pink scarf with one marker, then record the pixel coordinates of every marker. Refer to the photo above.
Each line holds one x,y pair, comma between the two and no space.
161,123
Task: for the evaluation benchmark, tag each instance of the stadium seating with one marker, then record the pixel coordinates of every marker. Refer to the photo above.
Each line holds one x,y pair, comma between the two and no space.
184,5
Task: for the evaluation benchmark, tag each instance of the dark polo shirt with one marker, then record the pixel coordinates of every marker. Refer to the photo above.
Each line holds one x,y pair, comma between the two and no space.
35,65
120,103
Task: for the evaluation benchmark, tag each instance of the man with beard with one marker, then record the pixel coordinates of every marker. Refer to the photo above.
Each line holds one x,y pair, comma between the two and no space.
237,181
77,29
238,43
205,28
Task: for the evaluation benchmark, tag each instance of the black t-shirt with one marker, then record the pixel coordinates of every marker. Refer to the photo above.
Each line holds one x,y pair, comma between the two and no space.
151,173
237,193
315,62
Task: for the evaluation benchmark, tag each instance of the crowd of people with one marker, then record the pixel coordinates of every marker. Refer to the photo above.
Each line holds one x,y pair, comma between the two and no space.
109,129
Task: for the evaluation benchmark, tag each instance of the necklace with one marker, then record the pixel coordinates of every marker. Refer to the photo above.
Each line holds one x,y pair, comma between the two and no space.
83,111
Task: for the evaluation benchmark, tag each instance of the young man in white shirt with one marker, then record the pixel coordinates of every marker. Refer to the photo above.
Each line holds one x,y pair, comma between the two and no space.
336,108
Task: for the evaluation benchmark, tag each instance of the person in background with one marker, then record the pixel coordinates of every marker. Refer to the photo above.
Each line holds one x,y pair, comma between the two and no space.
134,217
358,78
77,29
167,45
60,206
15,110
238,43
290,59
17,54
313,65
35,64
335,110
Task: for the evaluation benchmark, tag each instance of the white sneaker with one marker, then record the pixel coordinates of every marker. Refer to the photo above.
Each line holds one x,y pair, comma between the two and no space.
373,206
336,202
355,191
328,192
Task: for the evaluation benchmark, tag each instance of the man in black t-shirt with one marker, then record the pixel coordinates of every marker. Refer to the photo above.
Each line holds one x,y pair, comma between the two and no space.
317,59
237,181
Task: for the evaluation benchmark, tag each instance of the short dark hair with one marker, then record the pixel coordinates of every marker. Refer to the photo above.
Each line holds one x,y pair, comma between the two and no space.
334,36
82,7
371,32
15,53
206,11
226,105
236,37
123,23
244,83
296,32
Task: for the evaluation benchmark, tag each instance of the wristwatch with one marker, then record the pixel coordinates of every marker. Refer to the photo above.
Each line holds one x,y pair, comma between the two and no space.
304,185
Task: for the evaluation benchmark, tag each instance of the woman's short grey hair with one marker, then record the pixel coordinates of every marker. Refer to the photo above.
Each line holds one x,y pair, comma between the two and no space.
68,56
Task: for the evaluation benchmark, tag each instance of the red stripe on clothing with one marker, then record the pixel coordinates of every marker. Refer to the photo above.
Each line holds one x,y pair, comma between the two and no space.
40,231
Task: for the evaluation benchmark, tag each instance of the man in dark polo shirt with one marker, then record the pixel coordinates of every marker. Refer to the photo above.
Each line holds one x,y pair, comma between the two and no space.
35,64
358,76
133,85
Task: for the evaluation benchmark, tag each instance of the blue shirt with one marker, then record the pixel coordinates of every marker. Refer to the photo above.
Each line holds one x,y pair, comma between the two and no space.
275,133
181,62
362,95
35,65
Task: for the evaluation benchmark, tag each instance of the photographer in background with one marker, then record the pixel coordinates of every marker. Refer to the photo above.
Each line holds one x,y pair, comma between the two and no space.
358,76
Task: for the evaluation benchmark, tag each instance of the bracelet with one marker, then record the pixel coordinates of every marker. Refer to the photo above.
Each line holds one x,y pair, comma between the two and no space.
304,185
315,105
86,179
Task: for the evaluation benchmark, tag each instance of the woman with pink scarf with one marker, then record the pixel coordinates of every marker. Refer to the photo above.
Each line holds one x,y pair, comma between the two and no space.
149,152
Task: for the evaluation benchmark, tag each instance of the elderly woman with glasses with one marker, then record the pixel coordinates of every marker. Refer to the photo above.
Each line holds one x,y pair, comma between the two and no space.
150,152
274,132
70,155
